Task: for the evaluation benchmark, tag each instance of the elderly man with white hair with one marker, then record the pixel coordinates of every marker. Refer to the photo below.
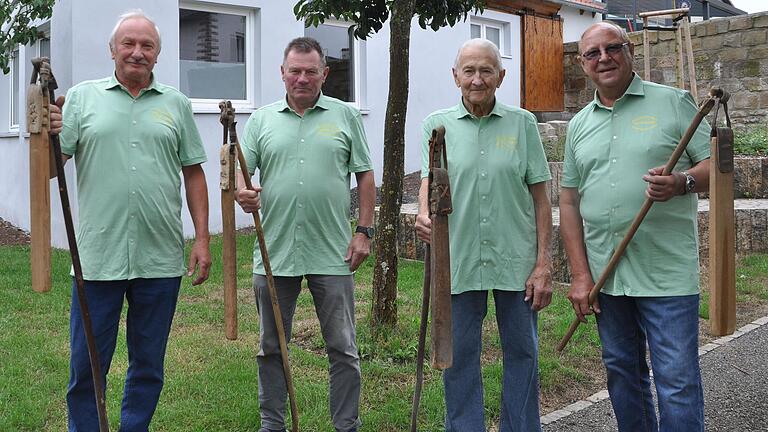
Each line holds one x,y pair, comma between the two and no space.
131,138
500,232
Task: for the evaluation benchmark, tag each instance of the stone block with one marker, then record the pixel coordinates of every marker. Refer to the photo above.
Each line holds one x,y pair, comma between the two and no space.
759,220
754,37
695,43
748,328
761,322
578,406
733,54
732,39
740,23
666,35
758,52
711,43
760,21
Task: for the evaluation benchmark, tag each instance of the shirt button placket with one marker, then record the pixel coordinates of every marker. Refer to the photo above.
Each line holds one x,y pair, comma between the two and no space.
133,181
484,203
300,236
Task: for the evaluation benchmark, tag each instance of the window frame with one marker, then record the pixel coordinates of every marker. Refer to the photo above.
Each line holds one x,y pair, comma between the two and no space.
503,27
359,57
204,105
13,76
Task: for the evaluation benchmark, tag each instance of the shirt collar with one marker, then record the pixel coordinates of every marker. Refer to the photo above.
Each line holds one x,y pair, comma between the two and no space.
322,103
462,111
636,88
113,82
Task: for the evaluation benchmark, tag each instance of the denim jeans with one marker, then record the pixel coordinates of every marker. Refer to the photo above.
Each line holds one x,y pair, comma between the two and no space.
151,305
670,325
519,343
334,298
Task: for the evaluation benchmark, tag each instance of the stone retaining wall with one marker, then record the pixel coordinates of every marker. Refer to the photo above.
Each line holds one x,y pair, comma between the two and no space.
731,53
751,234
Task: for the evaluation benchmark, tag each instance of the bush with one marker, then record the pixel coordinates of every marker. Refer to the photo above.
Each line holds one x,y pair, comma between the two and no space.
751,141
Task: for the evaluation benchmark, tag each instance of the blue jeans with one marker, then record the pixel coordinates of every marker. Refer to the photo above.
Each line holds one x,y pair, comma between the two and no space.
670,325
151,305
519,343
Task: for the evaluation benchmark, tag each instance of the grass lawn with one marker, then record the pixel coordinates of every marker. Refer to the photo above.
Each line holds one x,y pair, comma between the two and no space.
211,382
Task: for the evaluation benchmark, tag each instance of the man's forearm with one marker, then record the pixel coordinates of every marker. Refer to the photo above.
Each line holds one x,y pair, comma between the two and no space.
543,211
572,233
366,189
197,199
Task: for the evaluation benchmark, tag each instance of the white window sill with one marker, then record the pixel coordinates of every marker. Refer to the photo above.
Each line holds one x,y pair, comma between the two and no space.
213,108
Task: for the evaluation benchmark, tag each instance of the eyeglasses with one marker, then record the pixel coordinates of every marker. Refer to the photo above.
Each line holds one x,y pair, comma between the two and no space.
610,50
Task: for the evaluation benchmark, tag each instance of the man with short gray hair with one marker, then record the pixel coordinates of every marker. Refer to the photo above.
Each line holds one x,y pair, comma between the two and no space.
500,231
131,137
305,146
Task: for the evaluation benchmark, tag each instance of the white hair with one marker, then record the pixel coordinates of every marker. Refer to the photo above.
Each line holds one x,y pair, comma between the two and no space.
133,14
480,43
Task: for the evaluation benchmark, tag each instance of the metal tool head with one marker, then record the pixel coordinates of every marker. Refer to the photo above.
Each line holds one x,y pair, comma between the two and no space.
719,93
227,112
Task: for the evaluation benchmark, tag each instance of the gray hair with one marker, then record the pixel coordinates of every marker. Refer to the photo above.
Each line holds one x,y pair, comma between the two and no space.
133,14
480,43
609,24
304,44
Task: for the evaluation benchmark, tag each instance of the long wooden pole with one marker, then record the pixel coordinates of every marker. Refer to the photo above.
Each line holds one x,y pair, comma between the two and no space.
704,109
270,283
39,195
422,339
48,84
229,247
722,236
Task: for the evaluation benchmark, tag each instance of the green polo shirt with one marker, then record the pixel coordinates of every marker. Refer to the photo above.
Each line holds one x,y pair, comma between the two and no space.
491,162
129,153
304,167
608,150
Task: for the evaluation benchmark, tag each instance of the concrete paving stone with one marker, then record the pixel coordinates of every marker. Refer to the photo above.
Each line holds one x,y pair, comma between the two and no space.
748,328
762,321
577,406
599,396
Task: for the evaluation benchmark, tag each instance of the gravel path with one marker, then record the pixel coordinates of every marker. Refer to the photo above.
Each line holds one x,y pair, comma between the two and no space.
735,373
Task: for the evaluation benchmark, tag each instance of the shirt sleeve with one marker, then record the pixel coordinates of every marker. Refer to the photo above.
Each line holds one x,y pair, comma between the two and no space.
360,153
191,150
698,148
249,143
70,132
571,177
425,136
537,168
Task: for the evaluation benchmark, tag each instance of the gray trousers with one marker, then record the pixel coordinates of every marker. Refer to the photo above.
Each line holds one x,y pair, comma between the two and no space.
335,307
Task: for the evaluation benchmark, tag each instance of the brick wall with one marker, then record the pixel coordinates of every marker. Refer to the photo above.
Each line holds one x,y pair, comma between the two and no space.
731,53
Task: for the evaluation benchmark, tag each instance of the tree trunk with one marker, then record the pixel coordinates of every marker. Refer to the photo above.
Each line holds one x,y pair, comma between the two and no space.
384,306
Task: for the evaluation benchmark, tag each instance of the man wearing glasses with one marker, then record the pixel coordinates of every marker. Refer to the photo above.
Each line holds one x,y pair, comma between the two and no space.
615,150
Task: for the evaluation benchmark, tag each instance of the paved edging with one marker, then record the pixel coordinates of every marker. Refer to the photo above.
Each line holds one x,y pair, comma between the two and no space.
603,394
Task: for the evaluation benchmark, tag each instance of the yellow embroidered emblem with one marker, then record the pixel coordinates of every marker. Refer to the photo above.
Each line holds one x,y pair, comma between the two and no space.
506,142
328,129
644,123
162,116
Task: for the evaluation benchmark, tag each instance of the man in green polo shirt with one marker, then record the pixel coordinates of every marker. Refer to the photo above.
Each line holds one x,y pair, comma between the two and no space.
615,149
131,137
305,146
500,232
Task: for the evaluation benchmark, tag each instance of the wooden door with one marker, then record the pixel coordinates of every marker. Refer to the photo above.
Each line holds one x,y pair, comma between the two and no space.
542,74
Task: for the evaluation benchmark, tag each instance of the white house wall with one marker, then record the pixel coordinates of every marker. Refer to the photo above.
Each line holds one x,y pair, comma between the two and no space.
574,22
80,31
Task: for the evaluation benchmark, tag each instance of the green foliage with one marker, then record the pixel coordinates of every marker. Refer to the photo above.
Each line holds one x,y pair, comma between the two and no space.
554,149
751,141
369,16
17,16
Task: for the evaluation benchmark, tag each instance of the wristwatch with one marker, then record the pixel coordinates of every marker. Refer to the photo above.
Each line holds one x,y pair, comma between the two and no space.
368,231
690,183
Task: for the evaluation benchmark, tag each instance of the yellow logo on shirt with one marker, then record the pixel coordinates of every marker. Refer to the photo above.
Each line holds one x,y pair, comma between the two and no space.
644,123
162,116
506,142
328,129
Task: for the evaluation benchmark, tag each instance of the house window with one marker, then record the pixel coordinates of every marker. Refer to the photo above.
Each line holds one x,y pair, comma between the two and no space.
342,55
495,31
14,99
215,57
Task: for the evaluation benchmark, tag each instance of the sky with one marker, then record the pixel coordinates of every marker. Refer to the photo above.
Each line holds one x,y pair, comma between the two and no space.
751,6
